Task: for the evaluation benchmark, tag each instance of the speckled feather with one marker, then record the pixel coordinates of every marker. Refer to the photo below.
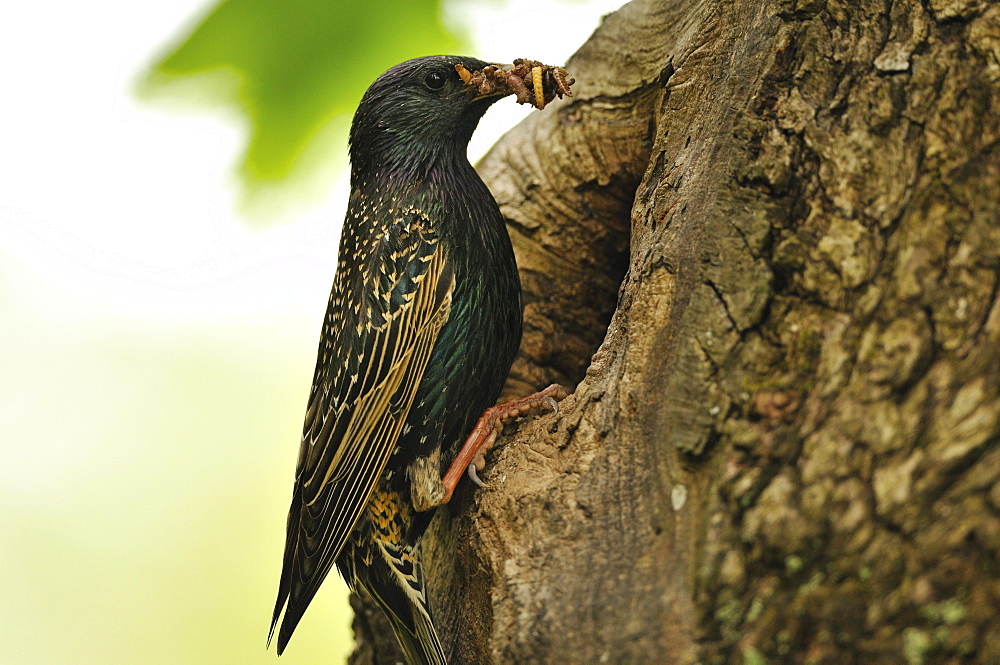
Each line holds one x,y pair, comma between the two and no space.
422,325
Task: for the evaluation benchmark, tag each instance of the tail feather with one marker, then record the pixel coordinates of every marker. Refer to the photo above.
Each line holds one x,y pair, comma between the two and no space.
381,558
394,578
421,646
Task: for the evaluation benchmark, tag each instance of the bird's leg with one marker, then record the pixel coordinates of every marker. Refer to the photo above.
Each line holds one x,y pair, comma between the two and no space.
471,456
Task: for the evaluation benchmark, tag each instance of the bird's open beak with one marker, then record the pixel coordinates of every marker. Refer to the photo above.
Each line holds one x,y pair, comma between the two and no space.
486,82
498,93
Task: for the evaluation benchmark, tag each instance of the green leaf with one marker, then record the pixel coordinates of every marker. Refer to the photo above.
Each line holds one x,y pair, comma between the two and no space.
300,63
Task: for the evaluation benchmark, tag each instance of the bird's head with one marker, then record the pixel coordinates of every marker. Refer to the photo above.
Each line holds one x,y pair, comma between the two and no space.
415,114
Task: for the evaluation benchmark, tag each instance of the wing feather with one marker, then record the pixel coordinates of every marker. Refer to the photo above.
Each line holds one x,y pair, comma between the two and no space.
357,410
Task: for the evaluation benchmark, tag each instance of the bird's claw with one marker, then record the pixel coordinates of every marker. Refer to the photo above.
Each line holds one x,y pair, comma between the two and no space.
478,464
471,457
475,476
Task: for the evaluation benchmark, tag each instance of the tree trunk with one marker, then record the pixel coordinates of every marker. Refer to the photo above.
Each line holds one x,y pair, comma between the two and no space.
780,224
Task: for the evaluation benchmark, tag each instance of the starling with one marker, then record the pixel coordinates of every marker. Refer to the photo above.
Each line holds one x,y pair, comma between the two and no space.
421,328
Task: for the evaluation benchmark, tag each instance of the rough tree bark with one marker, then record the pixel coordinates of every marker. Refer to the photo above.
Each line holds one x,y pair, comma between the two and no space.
778,225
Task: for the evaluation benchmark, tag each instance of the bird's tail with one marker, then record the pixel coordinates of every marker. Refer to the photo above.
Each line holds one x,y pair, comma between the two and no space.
420,643
392,574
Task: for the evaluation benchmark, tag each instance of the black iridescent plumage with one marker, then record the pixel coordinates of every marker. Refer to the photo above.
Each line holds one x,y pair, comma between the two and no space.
423,323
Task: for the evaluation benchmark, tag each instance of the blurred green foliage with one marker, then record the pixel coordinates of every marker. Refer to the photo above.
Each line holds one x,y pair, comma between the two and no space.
300,63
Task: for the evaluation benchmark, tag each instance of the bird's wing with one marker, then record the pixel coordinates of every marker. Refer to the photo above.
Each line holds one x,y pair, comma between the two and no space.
356,413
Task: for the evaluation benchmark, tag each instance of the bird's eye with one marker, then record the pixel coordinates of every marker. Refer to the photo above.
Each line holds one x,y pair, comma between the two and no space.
434,81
